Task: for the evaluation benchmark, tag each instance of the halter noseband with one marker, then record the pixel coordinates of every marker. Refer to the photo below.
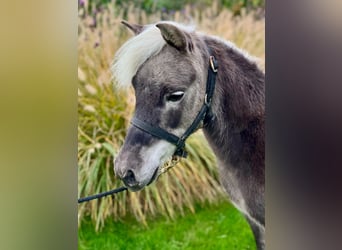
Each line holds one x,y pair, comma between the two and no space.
204,115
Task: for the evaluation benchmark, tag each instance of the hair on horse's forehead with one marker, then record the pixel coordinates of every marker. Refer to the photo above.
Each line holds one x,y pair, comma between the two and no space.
136,51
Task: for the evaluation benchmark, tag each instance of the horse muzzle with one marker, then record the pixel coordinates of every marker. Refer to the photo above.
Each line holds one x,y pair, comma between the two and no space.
132,177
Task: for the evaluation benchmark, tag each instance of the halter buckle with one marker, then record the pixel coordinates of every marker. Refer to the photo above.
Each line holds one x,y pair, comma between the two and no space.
206,102
213,63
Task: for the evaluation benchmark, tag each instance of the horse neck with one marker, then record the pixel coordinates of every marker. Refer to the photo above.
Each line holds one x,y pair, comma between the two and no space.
237,132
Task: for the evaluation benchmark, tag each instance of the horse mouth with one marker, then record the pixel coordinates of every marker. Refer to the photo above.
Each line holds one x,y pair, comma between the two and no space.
154,176
139,186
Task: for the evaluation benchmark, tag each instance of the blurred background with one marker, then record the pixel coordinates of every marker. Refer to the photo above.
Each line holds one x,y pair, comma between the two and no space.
190,193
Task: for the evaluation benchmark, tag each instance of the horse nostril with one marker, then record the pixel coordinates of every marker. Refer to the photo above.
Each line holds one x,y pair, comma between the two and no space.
129,178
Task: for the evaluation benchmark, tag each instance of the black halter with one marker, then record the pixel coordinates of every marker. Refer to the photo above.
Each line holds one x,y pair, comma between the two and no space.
204,115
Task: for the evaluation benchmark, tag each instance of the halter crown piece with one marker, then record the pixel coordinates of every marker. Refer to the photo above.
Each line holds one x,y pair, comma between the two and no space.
204,115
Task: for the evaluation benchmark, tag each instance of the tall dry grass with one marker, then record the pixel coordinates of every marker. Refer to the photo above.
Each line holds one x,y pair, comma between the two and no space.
104,113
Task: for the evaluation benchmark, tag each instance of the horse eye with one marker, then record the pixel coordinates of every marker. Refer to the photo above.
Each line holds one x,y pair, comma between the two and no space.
175,97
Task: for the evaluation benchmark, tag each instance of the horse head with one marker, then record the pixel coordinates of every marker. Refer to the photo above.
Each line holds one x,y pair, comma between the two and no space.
167,65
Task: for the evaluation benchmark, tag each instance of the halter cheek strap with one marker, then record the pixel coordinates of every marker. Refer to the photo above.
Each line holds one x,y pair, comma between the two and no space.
204,115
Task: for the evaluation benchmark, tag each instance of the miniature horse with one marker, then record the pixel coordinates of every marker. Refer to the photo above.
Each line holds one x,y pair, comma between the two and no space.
167,64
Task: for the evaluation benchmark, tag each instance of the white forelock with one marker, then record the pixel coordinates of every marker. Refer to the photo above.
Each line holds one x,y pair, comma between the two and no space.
136,51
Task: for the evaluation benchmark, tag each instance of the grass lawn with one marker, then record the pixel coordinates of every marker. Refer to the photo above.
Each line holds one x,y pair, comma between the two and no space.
218,226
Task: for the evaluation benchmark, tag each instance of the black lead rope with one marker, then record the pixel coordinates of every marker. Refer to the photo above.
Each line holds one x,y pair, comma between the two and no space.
100,195
204,115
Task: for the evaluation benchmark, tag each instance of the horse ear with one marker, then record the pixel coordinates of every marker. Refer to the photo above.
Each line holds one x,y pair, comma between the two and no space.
136,28
173,36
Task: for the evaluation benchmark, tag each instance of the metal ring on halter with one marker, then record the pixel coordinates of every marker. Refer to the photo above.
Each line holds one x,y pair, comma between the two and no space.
206,100
213,64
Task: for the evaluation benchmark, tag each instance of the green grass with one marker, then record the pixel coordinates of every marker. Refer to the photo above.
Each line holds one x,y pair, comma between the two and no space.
218,226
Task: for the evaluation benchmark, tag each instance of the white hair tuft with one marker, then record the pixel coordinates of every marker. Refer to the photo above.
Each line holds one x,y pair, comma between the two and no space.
136,51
